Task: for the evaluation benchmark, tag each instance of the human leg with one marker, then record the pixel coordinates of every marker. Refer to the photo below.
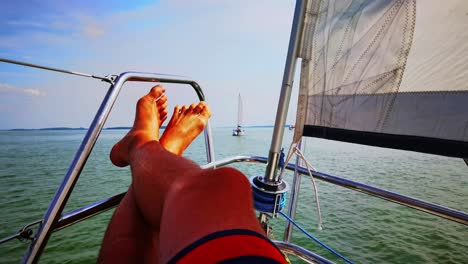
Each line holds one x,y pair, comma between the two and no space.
128,237
178,198
195,207
179,201
127,229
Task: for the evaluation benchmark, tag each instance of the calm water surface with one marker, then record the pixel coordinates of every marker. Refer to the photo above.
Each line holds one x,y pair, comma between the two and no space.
363,228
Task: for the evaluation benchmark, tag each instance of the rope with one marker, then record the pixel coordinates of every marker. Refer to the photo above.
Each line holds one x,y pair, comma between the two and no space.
294,149
290,153
315,239
317,203
266,202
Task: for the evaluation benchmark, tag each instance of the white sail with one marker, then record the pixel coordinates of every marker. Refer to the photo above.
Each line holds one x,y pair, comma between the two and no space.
239,111
391,73
238,131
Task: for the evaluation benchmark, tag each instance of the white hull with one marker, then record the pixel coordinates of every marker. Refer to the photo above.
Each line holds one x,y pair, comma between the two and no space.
238,133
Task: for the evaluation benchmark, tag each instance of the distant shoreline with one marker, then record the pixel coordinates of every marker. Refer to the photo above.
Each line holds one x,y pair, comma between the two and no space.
66,128
264,126
47,128
112,128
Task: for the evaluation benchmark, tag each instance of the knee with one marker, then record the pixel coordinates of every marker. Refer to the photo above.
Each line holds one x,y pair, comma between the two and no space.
231,176
220,179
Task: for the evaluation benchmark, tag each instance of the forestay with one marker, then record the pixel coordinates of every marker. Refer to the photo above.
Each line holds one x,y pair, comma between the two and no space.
386,73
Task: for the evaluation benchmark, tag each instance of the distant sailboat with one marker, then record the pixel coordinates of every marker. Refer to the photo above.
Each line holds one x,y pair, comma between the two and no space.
238,131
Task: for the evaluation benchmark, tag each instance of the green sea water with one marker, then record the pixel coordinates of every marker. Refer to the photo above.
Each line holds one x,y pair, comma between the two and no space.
362,228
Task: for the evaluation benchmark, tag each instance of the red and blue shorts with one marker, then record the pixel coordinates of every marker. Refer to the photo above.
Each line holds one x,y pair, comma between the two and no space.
231,247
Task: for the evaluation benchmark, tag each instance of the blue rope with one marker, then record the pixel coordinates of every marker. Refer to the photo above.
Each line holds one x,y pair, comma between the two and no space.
281,159
265,202
315,239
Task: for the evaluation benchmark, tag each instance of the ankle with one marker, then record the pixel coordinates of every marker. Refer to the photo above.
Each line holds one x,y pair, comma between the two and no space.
174,146
138,139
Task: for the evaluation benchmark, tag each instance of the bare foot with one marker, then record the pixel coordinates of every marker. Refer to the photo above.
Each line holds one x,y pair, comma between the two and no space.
185,125
151,112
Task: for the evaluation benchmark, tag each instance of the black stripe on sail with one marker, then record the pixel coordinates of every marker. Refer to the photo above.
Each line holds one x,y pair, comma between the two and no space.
444,147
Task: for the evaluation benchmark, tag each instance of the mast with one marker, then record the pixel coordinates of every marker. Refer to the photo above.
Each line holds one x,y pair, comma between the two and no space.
239,111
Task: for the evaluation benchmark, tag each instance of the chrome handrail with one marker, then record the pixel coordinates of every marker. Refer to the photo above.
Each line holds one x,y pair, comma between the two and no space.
451,214
63,193
85,212
300,252
88,211
438,210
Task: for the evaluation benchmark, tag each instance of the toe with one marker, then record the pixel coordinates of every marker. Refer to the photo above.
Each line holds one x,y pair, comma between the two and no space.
148,111
175,114
192,108
156,91
199,108
162,107
176,111
206,111
162,100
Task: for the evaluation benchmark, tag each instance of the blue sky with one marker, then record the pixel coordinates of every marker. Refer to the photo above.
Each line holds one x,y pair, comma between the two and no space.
229,47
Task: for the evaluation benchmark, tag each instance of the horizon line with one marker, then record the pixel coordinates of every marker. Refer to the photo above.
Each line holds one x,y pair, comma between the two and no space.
120,128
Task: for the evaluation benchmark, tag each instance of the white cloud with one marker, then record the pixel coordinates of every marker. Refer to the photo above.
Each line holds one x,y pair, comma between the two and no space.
26,23
6,88
227,46
33,92
89,27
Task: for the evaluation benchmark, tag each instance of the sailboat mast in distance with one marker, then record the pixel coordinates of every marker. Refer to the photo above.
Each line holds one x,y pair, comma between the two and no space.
238,131
239,111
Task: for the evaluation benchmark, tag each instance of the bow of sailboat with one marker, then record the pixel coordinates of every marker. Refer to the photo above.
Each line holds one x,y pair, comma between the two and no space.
382,73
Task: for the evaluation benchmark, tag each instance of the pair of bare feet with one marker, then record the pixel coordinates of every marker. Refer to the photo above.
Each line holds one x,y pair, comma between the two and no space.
186,124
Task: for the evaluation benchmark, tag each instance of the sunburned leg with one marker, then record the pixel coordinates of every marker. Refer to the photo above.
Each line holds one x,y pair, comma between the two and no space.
124,225
154,168
128,238
210,201
178,198
178,201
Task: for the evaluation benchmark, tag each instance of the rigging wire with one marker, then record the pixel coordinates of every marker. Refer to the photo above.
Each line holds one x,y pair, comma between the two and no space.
106,79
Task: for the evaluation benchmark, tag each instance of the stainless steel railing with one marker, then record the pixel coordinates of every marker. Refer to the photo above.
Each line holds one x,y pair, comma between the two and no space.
52,218
80,214
83,213
300,252
441,211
